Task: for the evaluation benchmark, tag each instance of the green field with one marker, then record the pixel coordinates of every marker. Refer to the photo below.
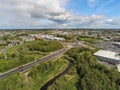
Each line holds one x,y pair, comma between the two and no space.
22,54
88,39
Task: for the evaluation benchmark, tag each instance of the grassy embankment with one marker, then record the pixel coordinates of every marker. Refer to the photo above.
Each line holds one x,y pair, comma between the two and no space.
88,39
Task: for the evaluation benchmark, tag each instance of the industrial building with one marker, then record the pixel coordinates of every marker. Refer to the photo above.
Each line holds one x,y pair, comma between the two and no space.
108,56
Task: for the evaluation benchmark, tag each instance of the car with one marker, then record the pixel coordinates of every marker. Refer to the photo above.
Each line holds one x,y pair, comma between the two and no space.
21,67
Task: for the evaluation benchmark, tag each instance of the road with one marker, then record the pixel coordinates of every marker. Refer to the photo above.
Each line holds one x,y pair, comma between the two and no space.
31,64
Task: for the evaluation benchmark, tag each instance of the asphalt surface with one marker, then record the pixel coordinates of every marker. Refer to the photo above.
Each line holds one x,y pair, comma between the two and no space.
108,45
31,64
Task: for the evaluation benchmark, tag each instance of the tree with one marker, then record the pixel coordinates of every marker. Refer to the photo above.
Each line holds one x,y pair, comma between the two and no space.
13,55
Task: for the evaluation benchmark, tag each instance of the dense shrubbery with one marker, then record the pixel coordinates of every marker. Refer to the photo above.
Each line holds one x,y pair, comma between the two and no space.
93,76
45,46
16,82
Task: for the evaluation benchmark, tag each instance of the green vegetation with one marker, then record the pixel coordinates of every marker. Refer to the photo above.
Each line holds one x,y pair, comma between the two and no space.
88,39
45,46
85,74
92,75
44,72
35,78
66,82
7,37
89,73
28,52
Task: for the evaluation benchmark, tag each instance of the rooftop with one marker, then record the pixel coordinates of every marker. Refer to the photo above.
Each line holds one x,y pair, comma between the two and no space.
108,54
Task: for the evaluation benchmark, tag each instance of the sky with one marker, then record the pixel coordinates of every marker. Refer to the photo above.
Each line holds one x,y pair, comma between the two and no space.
39,14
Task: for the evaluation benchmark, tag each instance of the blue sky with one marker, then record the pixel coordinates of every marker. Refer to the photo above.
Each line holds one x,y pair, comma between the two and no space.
88,7
17,14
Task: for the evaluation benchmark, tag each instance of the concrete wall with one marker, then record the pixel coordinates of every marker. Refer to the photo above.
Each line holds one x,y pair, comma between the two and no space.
111,61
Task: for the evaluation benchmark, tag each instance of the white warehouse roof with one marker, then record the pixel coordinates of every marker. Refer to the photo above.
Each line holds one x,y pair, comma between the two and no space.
107,54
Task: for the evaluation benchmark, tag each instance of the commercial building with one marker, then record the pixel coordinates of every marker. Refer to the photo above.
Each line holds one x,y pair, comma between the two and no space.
49,37
108,56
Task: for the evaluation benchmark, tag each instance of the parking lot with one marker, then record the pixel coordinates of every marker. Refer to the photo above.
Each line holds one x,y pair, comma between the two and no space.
108,45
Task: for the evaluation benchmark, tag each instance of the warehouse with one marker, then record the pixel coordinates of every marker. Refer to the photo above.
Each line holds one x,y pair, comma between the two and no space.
108,56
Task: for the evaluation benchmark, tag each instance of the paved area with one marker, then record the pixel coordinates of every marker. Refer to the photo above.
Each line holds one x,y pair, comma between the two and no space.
108,45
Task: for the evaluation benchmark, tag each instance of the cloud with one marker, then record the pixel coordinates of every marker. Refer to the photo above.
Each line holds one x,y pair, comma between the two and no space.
113,21
92,3
85,21
102,7
22,12
46,14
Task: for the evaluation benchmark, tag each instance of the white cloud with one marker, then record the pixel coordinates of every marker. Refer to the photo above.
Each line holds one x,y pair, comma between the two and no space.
113,21
46,14
28,12
92,3
109,20
102,7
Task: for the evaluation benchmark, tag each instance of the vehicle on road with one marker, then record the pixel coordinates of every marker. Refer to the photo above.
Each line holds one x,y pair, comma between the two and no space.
21,68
